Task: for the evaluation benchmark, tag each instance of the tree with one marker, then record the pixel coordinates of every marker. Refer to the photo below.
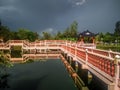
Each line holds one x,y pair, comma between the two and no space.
108,37
31,36
117,29
25,34
66,33
117,32
73,29
5,33
58,36
46,36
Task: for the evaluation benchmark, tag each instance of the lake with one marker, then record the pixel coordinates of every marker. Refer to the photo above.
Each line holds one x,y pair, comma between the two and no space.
40,75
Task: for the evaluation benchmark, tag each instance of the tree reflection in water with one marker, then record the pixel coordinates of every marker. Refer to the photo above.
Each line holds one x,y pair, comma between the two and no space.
4,81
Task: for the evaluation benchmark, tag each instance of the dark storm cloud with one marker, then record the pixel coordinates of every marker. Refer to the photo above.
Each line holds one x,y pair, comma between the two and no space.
33,14
50,15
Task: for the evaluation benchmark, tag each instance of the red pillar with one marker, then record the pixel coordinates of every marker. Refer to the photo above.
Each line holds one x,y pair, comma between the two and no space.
93,40
82,40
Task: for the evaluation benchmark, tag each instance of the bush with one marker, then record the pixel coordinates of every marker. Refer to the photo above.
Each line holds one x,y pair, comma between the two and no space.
108,47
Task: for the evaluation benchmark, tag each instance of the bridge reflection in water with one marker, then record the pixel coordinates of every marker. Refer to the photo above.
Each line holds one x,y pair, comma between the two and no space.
50,74
40,75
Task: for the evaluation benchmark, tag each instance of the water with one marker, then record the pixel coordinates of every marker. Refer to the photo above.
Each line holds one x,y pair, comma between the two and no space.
40,75
93,83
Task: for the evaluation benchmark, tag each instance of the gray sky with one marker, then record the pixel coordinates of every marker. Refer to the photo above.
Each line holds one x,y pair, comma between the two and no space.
57,15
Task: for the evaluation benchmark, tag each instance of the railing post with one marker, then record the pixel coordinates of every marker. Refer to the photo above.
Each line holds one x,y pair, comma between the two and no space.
70,46
117,71
66,46
86,56
45,46
109,53
75,51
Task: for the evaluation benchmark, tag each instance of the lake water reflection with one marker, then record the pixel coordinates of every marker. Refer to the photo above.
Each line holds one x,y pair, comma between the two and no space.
40,75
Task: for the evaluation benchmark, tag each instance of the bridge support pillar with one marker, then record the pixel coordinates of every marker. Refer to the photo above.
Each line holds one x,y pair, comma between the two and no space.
111,86
70,60
84,66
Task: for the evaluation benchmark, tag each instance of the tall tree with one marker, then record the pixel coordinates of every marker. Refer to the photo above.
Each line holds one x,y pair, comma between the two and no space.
117,29
46,36
5,33
73,29
117,32
58,36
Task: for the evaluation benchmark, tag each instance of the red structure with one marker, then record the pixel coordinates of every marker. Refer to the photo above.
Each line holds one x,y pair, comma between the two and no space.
104,64
86,37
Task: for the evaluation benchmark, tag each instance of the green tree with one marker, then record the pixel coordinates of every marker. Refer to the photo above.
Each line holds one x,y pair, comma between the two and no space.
58,36
5,33
46,36
108,37
73,29
117,32
117,29
66,33
31,36
25,34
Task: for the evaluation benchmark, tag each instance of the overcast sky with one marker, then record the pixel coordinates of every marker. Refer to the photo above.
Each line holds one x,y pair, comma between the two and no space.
57,15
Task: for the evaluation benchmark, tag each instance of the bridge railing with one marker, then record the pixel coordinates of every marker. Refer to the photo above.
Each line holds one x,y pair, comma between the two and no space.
102,62
105,64
108,53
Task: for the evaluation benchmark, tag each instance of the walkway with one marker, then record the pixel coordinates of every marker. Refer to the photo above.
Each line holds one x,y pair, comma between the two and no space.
104,64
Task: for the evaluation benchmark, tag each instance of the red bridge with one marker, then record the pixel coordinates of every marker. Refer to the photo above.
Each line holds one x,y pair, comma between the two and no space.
104,64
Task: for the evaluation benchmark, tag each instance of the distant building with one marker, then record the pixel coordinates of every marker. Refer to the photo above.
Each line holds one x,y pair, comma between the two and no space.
86,37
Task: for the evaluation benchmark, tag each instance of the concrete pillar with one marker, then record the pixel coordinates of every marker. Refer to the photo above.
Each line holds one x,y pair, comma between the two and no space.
76,66
117,72
70,60
112,86
86,56
68,57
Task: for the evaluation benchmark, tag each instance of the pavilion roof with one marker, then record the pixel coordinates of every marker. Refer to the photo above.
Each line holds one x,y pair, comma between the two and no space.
86,33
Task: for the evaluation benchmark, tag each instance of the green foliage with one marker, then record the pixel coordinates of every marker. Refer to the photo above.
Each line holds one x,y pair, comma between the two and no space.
25,34
108,38
117,29
69,33
22,34
46,36
29,61
109,47
4,33
4,62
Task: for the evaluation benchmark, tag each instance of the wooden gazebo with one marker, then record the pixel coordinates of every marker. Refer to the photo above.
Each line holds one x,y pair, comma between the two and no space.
86,37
